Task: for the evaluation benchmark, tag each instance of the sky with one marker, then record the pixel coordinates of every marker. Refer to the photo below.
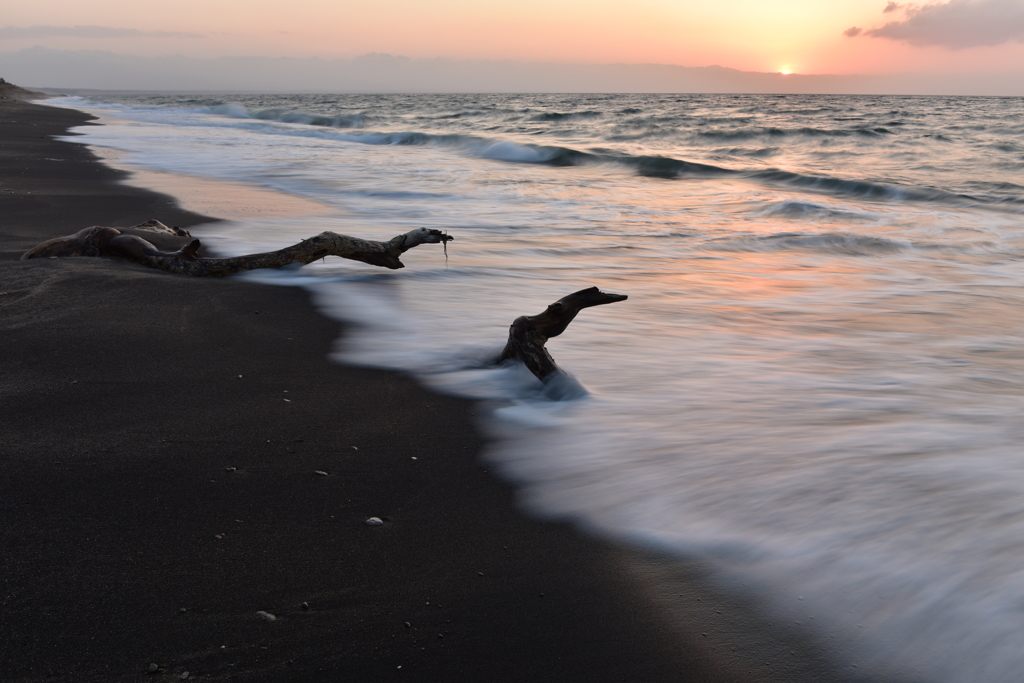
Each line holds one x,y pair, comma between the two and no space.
799,36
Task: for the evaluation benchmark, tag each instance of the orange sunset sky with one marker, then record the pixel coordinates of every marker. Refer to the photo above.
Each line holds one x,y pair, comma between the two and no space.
802,36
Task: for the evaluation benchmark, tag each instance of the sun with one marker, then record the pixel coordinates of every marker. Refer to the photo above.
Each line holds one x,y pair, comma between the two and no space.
785,71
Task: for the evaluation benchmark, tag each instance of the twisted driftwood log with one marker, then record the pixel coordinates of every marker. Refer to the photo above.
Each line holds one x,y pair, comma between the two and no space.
172,249
178,252
528,333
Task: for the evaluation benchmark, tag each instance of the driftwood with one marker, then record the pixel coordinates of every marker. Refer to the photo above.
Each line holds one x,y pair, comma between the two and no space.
178,252
172,249
528,334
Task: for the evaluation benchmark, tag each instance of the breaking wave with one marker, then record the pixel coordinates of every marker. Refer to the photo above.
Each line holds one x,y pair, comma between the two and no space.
834,243
571,116
350,127
809,210
237,111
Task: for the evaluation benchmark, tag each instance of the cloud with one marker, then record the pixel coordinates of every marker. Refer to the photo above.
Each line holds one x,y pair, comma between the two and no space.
87,32
853,32
954,25
891,7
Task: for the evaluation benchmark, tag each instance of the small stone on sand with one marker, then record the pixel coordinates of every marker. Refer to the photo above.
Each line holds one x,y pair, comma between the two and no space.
153,668
321,473
374,521
266,616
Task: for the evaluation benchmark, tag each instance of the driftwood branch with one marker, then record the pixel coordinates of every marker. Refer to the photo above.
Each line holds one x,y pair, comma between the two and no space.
528,334
172,249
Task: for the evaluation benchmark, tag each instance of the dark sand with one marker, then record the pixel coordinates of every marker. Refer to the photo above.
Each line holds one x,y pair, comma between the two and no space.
126,540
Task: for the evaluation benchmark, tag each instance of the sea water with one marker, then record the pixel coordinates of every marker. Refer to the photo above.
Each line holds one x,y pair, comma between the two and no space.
816,386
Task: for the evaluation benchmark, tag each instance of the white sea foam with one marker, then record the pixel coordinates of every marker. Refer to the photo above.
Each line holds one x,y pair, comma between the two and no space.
818,394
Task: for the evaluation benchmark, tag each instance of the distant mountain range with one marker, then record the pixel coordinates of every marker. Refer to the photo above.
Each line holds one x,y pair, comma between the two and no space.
70,71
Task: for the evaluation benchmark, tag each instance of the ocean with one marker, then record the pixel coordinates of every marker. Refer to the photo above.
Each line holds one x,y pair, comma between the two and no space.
815,388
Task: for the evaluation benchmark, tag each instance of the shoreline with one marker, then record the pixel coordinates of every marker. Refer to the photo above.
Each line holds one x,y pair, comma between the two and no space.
227,200
128,410
205,196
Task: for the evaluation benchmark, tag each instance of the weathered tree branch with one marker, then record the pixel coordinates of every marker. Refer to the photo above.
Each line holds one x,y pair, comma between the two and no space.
180,251
172,249
528,334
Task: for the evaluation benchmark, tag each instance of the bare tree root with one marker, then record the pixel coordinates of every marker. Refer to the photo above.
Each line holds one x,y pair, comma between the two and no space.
529,333
178,253
137,244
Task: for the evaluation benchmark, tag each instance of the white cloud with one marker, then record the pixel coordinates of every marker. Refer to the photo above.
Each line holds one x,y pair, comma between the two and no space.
87,32
955,25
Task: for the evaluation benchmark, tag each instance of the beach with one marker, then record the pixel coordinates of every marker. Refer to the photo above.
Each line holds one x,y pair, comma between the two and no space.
181,460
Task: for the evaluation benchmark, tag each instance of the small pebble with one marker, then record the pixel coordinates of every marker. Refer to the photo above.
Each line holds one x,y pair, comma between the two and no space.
356,448
184,675
266,616
408,625
374,521
321,473
230,469
304,605
153,668
182,610
287,400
